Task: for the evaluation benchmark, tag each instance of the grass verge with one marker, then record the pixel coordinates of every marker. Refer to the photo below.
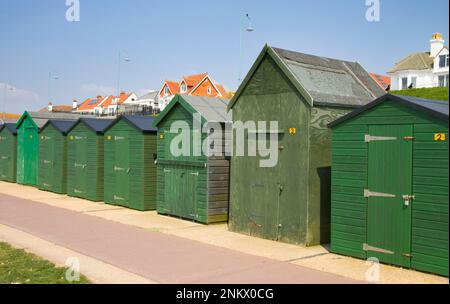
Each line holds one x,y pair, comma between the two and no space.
432,93
20,267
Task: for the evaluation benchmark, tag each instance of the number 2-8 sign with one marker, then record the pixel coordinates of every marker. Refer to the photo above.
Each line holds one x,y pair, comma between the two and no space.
440,137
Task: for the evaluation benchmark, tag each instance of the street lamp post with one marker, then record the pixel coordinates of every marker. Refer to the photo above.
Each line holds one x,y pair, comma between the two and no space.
51,76
5,90
249,28
125,59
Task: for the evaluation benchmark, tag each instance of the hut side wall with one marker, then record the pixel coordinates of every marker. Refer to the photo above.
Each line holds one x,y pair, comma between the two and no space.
219,179
8,156
430,186
319,207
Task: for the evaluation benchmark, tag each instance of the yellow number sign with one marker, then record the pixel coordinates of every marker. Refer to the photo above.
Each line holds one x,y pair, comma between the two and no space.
440,137
292,131
161,136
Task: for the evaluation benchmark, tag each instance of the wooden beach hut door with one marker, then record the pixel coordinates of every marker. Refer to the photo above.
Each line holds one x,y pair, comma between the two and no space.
122,168
389,194
31,144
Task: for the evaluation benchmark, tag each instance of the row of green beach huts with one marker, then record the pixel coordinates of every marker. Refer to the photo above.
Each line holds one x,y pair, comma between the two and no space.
365,170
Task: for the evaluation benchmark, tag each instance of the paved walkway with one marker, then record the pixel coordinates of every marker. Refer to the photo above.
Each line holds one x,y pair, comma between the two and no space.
158,257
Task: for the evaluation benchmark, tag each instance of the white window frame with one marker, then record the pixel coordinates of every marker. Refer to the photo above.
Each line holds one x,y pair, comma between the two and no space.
183,88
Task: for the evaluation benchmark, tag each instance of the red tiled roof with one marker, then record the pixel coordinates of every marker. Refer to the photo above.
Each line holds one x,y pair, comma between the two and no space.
382,80
58,109
222,91
123,97
9,116
174,86
90,103
192,81
109,100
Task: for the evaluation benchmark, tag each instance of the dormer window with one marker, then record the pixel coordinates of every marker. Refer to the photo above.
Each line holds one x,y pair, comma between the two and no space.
209,90
183,88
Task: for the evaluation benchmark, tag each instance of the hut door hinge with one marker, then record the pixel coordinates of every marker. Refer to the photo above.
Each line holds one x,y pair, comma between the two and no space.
368,193
367,247
409,138
195,173
167,171
368,138
407,255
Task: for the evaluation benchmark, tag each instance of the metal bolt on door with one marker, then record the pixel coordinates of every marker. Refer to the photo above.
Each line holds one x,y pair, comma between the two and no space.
389,194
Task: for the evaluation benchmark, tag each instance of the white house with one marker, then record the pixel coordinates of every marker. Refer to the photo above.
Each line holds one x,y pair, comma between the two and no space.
423,70
146,103
112,108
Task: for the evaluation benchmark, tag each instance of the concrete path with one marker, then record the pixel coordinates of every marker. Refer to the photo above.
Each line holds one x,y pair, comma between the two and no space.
158,257
96,271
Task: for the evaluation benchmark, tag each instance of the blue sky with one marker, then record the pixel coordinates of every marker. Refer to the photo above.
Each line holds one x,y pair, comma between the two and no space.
169,39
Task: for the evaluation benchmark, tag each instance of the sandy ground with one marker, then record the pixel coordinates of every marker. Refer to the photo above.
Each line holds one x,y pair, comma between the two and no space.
317,258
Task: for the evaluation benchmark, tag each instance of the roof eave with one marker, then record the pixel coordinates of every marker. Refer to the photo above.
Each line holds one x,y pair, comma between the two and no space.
382,99
178,99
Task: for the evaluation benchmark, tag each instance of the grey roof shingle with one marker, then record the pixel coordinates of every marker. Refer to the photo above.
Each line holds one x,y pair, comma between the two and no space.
97,125
416,61
212,109
434,108
10,126
63,126
142,123
438,106
40,118
331,81
148,96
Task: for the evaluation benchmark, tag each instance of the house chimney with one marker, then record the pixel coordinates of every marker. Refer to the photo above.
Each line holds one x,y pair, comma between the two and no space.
50,107
99,97
75,104
437,43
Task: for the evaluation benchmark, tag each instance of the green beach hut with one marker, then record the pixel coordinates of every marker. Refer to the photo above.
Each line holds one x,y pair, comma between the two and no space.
130,169
53,156
8,152
85,159
390,183
193,186
290,202
28,128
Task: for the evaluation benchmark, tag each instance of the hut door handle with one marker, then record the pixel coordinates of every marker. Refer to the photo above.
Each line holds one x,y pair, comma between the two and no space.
195,173
128,170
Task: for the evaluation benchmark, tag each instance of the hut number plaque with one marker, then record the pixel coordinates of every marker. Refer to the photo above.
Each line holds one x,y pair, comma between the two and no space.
293,131
440,137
